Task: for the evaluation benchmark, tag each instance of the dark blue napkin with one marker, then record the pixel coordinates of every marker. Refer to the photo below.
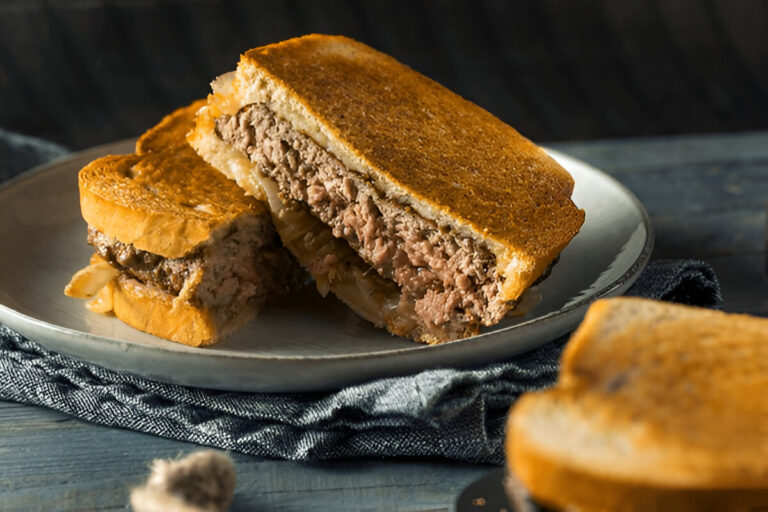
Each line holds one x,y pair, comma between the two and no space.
19,153
450,413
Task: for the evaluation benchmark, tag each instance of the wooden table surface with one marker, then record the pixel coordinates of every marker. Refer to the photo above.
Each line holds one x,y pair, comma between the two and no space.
706,196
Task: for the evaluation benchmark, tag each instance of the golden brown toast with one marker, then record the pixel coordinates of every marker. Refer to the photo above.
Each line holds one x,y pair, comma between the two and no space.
423,145
423,140
164,199
183,253
657,407
418,164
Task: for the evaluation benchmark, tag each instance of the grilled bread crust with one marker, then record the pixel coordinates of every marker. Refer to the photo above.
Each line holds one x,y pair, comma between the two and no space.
151,310
168,201
657,407
164,199
420,144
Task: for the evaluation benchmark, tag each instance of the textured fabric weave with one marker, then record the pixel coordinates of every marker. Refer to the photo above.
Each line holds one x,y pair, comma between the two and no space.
449,413
19,153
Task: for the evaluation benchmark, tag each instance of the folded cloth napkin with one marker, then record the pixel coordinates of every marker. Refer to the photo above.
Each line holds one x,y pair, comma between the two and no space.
450,413
19,153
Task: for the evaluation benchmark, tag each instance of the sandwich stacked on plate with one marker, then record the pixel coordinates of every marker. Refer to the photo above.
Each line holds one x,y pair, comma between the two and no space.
181,251
420,210
658,407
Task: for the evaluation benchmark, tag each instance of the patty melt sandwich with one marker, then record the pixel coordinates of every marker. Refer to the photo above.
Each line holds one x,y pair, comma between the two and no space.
181,251
658,407
420,210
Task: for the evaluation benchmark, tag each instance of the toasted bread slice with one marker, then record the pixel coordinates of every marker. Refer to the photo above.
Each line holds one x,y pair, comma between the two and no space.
164,199
152,310
438,163
657,407
194,258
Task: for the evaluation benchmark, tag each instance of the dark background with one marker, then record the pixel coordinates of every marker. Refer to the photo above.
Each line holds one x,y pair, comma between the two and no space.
88,72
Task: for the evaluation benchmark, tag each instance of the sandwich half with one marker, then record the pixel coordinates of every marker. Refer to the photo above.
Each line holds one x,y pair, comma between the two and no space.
657,407
181,251
420,210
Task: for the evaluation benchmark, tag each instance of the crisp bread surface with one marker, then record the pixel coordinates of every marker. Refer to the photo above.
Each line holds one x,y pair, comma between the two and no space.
166,174
169,162
164,199
443,150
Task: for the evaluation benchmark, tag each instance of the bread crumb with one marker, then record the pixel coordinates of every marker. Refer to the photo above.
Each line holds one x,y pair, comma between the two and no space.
201,482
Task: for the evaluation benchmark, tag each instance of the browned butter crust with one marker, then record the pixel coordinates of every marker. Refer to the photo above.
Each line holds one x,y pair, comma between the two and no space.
439,147
193,258
658,406
164,199
430,192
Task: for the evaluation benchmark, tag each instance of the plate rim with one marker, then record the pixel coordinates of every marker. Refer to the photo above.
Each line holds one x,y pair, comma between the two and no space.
618,285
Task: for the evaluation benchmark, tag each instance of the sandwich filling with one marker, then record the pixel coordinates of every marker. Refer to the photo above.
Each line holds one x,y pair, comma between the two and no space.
242,265
446,275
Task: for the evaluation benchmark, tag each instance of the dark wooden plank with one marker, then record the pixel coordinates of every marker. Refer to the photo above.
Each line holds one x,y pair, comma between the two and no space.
637,154
710,234
692,190
49,461
743,281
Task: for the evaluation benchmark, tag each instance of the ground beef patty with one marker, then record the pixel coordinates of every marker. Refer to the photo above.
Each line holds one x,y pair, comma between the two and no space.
448,275
244,263
149,268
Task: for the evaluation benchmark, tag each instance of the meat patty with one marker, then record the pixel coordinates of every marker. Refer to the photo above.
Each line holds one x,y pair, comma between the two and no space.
149,268
246,262
448,274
